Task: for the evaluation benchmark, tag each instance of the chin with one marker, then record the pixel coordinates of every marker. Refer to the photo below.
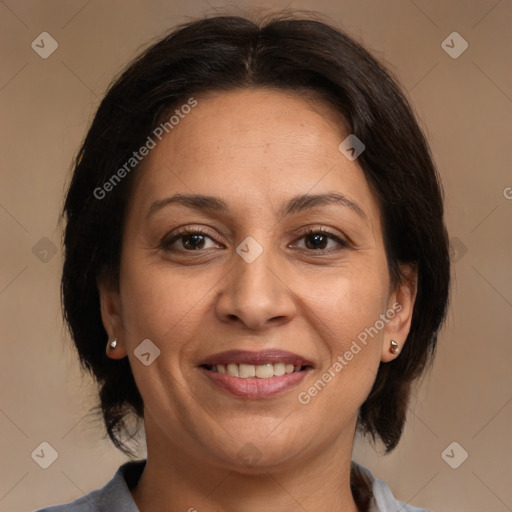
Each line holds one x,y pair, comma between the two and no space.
254,454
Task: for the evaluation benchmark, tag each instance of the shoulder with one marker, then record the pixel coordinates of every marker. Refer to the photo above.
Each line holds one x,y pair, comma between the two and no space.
382,497
87,503
114,496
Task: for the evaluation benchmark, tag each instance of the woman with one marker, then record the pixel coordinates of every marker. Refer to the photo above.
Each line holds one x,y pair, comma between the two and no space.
255,233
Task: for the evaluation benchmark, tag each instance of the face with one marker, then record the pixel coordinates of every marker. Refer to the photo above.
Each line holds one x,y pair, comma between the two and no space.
264,276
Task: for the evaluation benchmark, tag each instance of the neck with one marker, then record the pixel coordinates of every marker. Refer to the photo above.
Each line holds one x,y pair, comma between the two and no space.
173,479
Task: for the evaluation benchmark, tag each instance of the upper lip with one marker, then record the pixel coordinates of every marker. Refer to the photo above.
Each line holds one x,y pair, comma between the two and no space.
256,358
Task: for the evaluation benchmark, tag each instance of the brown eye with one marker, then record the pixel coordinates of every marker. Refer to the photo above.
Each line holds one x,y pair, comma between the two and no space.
318,239
193,241
188,240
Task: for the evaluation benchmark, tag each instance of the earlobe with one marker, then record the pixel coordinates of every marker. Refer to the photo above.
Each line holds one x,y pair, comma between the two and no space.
401,303
110,304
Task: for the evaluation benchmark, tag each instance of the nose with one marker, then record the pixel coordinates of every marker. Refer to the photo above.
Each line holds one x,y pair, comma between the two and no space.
255,295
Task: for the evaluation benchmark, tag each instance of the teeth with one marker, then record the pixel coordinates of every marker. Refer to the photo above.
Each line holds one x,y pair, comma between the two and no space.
263,371
233,370
246,370
279,369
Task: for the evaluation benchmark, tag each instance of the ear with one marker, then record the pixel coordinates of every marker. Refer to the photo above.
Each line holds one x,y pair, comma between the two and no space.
399,313
110,303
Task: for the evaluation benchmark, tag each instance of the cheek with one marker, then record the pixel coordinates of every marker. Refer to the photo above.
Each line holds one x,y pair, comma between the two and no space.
159,303
163,302
164,306
347,303
348,321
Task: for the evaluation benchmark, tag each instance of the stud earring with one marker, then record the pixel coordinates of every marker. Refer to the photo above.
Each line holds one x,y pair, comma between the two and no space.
113,343
393,347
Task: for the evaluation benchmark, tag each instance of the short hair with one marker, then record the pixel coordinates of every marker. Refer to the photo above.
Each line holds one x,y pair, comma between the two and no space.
285,52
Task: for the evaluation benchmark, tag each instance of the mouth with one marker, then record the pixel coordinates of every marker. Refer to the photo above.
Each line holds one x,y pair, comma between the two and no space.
261,371
255,374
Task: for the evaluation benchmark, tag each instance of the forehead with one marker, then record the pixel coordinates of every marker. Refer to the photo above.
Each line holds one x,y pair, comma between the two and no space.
253,147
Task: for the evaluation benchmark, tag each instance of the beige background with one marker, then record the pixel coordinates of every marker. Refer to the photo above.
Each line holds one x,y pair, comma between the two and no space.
465,105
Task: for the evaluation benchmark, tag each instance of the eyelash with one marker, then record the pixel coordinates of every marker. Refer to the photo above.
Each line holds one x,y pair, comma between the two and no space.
167,243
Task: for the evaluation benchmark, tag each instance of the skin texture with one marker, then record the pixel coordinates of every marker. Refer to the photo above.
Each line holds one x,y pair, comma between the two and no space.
254,149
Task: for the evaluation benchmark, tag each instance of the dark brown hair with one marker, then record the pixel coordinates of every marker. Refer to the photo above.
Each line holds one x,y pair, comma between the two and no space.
284,52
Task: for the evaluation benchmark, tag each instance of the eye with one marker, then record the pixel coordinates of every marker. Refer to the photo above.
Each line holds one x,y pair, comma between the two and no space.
317,239
195,239
192,239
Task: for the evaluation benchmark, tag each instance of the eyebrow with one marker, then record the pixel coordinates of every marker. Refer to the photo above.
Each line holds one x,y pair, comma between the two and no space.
294,205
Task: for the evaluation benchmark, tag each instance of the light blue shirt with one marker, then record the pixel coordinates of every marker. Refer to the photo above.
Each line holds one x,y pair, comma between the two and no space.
115,495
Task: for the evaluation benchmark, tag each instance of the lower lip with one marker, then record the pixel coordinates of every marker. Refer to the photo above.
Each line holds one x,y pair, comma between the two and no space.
253,387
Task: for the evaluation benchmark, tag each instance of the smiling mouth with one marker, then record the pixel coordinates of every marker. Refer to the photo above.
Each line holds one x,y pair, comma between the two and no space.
262,371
